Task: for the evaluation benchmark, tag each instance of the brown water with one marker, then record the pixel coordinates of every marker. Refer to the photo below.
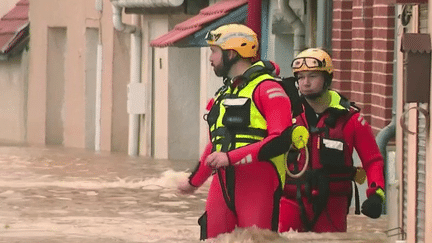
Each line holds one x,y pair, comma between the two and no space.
68,195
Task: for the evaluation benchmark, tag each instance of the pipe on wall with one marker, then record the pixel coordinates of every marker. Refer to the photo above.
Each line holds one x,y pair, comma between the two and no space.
118,23
296,23
388,132
135,70
324,31
99,58
384,136
135,77
98,97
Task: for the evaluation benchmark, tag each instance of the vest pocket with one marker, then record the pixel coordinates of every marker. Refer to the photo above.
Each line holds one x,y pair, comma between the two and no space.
237,112
332,154
212,115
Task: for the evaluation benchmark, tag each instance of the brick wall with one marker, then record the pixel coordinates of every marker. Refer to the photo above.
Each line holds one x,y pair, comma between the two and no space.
362,51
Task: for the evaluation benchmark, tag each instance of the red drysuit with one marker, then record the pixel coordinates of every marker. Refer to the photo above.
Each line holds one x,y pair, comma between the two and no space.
353,130
257,187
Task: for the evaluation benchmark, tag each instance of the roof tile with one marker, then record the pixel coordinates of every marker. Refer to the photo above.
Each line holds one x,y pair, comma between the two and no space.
18,12
198,20
223,6
194,24
12,24
10,27
175,35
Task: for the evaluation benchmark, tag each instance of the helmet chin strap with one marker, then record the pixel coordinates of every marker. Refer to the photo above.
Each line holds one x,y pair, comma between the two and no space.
227,63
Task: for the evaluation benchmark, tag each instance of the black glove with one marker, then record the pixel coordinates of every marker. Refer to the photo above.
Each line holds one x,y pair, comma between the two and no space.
372,207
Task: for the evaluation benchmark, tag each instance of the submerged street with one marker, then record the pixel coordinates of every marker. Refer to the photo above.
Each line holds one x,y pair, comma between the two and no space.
51,195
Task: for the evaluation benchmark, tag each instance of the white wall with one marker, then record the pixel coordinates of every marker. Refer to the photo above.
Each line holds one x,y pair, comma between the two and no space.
13,91
55,105
75,17
183,82
121,75
183,103
13,102
210,83
92,36
160,99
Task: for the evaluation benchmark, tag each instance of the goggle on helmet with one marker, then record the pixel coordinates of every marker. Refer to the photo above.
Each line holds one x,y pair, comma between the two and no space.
312,59
234,37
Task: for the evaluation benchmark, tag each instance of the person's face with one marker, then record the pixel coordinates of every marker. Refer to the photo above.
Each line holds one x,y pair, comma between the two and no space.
310,82
216,60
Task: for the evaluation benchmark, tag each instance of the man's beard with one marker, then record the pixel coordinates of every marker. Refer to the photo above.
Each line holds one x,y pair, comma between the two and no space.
219,70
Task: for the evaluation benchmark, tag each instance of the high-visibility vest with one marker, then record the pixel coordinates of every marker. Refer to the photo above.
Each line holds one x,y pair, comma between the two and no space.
234,120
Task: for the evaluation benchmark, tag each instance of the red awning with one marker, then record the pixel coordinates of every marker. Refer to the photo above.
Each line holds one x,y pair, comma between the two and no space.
13,26
206,16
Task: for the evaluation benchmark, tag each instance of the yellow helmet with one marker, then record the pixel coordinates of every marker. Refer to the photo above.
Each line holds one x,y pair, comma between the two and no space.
312,59
236,37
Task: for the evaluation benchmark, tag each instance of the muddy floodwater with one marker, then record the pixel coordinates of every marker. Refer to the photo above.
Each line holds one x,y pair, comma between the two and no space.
51,194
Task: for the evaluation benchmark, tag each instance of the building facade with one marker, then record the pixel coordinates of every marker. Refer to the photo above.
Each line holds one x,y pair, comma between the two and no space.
81,88
14,63
413,151
134,77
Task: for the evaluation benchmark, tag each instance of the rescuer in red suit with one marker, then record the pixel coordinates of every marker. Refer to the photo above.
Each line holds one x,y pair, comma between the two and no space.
318,199
249,112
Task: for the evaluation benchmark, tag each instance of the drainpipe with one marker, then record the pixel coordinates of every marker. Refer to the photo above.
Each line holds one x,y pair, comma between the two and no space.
382,139
384,136
98,98
99,58
135,70
119,25
135,77
389,132
294,21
